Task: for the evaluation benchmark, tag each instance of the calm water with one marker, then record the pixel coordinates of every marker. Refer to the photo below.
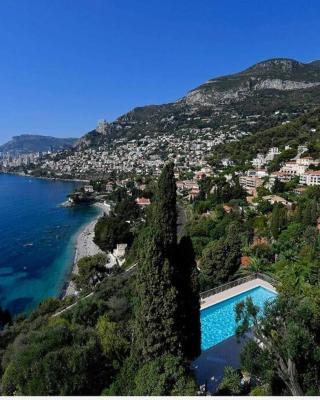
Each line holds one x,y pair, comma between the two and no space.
37,239
218,322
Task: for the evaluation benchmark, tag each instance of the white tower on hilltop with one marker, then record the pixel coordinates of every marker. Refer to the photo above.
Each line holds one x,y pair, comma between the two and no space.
102,126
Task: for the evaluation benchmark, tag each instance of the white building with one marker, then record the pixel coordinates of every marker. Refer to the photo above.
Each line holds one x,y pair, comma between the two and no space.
88,188
310,178
292,168
259,161
120,250
274,151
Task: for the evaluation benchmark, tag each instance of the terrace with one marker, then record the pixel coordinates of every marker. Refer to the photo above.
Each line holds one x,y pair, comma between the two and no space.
230,289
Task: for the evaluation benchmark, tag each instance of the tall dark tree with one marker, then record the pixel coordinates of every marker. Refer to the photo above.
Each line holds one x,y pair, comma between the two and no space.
278,220
156,330
221,258
167,317
310,212
187,282
165,213
278,186
5,318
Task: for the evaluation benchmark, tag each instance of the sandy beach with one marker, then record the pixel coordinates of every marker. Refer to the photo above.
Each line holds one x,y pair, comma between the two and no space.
85,246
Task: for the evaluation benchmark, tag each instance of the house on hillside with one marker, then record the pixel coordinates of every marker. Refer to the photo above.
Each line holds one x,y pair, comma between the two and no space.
109,187
142,201
193,193
120,250
250,183
88,189
310,178
273,199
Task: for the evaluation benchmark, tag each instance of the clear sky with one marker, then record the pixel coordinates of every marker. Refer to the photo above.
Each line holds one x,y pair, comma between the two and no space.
64,64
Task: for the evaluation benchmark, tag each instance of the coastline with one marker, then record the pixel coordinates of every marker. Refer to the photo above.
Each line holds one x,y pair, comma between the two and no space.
84,247
45,177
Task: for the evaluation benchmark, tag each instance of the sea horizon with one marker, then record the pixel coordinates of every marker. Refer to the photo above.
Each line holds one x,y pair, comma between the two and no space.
37,239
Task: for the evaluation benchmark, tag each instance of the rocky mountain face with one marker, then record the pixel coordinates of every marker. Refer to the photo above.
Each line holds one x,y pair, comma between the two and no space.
24,144
226,108
277,74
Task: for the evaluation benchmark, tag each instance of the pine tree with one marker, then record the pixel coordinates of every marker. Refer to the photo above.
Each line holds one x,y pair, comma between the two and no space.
187,282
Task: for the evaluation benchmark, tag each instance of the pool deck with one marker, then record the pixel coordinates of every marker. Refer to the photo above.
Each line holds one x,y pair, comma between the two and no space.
226,294
209,366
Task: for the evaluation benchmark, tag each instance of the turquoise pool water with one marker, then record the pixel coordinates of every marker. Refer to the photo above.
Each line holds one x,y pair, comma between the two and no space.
218,321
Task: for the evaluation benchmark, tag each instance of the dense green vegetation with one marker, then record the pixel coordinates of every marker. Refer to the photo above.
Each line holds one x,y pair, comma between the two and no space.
136,333
285,244
304,129
119,226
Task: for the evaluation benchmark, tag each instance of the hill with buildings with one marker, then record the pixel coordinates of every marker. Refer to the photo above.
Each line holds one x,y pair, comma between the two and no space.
223,110
226,107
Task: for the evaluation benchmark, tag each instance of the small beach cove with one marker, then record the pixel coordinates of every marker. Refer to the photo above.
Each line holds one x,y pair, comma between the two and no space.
38,239
84,247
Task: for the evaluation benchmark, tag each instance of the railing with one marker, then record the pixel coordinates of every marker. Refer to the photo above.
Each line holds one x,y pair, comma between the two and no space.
237,282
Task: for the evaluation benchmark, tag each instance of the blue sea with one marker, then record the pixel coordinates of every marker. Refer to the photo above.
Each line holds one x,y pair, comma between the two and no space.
37,239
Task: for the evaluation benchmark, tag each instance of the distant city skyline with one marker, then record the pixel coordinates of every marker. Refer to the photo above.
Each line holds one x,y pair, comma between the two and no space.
66,65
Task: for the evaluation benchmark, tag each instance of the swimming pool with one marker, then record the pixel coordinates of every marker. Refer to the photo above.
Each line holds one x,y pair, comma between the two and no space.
218,321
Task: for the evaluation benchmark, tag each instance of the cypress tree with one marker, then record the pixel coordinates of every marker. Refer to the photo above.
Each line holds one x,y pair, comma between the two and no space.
310,213
167,317
165,215
233,244
187,282
156,325
157,331
278,220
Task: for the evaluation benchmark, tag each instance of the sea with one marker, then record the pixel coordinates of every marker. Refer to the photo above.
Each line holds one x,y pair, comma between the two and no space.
37,239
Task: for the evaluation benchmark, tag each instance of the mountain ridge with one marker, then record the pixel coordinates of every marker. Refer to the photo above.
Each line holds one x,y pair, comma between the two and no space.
263,88
31,143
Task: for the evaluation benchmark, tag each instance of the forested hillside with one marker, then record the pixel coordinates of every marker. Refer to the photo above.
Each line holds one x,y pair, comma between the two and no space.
302,130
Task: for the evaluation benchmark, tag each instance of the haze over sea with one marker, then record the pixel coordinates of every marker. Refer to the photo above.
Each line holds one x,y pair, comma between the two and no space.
37,239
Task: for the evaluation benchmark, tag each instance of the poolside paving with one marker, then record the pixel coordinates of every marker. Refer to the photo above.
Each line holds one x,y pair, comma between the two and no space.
226,294
209,366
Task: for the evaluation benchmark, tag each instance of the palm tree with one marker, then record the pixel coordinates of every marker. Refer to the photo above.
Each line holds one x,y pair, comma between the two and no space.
256,265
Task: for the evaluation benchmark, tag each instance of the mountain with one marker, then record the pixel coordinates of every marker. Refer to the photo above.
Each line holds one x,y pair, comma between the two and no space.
228,107
23,144
282,75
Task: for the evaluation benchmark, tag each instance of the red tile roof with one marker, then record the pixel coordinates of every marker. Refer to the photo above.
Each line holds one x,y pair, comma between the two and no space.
142,201
311,172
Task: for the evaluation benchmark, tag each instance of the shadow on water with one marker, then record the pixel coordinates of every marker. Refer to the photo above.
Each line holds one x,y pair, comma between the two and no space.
19,305
209,366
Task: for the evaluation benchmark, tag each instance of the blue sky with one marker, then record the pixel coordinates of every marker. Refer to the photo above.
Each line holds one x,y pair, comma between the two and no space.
65,64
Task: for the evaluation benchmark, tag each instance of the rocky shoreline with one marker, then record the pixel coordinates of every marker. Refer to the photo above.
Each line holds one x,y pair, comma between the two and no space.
84,247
